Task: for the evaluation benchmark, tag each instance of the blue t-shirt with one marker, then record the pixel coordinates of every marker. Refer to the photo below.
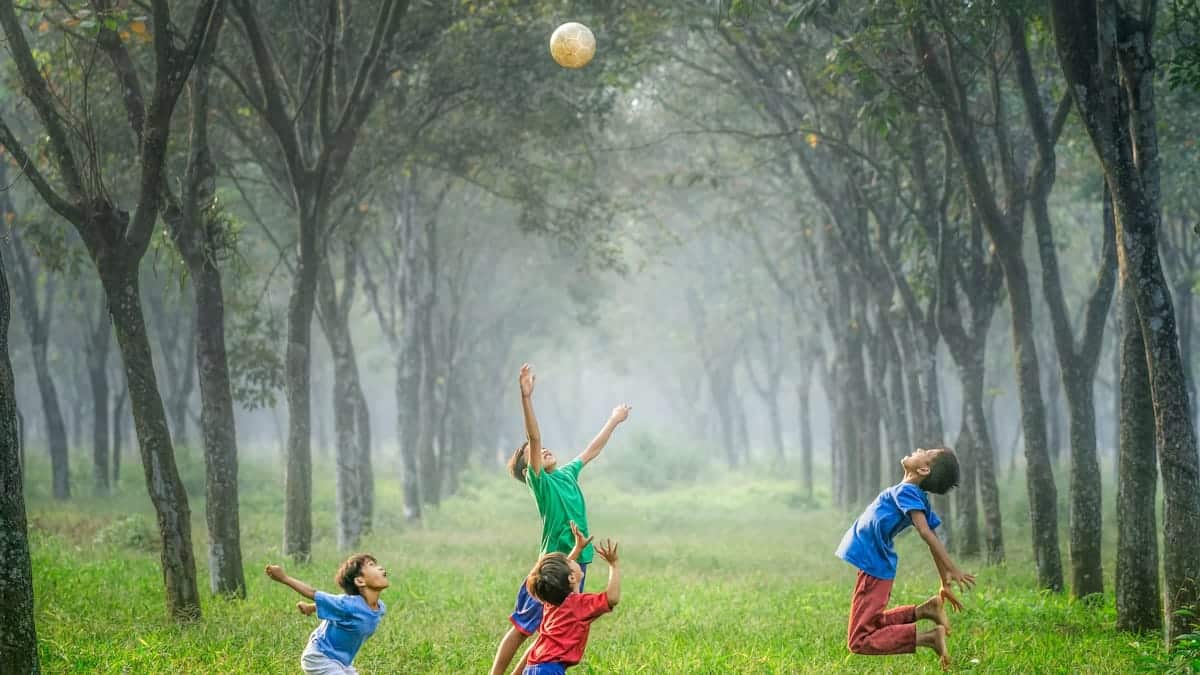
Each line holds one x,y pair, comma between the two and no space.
868,543
347,623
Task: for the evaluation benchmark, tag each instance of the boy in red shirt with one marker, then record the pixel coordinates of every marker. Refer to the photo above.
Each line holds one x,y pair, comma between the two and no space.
568,614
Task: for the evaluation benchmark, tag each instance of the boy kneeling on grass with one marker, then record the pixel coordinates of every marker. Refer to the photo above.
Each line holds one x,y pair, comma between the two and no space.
347,620
568,613
868,546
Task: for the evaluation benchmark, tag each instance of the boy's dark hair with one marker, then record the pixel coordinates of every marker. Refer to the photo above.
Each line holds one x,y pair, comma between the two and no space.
943,472
351,570
517,463
550,580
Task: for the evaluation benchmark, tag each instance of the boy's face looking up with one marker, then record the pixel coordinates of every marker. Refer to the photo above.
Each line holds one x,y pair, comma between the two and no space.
920,460
373,576
549,462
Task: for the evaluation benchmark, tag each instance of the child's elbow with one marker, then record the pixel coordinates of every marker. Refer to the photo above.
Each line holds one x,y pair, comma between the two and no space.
613,600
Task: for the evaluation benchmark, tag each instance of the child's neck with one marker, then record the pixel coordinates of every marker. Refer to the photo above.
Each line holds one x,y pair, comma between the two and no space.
370,596
912,477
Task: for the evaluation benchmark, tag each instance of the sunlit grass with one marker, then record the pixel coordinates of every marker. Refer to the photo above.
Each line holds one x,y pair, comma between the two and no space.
735,574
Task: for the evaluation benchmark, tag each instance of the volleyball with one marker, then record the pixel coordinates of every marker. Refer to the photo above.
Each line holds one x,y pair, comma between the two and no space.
572,45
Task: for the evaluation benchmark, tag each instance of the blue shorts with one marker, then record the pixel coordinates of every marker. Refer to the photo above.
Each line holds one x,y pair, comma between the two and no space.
554,668
527,615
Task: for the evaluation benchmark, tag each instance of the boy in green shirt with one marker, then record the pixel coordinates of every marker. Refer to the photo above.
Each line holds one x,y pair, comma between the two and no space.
559,502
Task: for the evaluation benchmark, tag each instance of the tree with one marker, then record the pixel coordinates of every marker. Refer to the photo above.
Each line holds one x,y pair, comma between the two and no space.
115,239
18,636
316,131
37,314
1106,54
1004,221
200,230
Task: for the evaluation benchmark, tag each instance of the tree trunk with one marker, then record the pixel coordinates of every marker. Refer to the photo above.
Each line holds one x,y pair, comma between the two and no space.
366,471
1139,599
183,393
982,452
334,320
37,322
219,431
97,352
966,509
55,428
158,458
1039,472
806,440
297,524
18,636
118,427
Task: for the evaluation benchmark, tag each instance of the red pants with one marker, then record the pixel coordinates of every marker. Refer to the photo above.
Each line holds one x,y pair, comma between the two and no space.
873,628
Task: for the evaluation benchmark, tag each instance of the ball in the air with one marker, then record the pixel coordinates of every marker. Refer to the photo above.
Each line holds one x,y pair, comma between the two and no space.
572,45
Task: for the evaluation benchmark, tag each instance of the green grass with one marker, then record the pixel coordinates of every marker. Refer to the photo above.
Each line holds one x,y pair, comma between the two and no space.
734,574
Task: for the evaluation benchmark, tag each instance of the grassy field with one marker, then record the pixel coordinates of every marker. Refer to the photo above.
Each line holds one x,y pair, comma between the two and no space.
725,575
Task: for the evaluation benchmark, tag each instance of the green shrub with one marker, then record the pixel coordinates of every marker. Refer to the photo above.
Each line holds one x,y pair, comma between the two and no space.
646,463
131,533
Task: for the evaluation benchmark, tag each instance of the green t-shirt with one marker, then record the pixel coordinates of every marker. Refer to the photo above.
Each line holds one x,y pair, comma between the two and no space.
560,501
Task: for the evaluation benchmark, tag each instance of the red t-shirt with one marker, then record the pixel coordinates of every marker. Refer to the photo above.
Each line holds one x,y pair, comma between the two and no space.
564,630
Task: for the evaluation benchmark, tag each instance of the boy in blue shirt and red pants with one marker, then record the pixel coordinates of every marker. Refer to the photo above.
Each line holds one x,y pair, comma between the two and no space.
874,629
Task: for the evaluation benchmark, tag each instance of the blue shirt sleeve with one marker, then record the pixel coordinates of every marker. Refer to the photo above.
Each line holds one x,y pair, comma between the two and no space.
912,498
332,607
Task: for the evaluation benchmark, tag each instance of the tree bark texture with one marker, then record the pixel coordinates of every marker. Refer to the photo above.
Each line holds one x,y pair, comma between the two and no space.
18,635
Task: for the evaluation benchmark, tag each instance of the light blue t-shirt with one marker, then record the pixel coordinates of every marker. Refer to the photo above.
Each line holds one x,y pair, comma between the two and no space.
347,623
868,543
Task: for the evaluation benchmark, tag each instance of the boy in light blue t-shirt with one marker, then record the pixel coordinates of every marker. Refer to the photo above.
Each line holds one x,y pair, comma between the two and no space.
346,620
874,629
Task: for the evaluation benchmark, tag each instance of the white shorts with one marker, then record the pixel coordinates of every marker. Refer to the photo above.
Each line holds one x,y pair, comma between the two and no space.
313,662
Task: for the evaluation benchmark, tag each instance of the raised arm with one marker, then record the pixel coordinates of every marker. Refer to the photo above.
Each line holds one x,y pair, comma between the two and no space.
619,414
533,452
581,542
947,570
608,550
276,572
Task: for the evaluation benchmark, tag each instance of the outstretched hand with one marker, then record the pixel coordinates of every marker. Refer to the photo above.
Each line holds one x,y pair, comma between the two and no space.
962,579
621,413
581,542
527,379
607,549
275,572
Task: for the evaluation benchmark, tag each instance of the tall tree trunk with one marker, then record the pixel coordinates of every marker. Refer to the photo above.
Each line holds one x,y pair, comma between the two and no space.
219,431
347,394
983,453
37,318
97,351
158,458
182,394
805,422
18,636
966,509
55,428
118,427
297,524
1139,599
366,471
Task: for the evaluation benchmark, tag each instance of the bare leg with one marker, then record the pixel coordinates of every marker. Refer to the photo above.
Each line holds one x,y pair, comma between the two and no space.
936,640
508,646
934,609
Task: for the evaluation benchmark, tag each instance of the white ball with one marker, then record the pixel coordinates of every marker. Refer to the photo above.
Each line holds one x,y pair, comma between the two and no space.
572,45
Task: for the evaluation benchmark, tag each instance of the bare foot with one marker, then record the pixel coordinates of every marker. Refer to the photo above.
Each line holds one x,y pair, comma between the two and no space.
934,609
936,640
